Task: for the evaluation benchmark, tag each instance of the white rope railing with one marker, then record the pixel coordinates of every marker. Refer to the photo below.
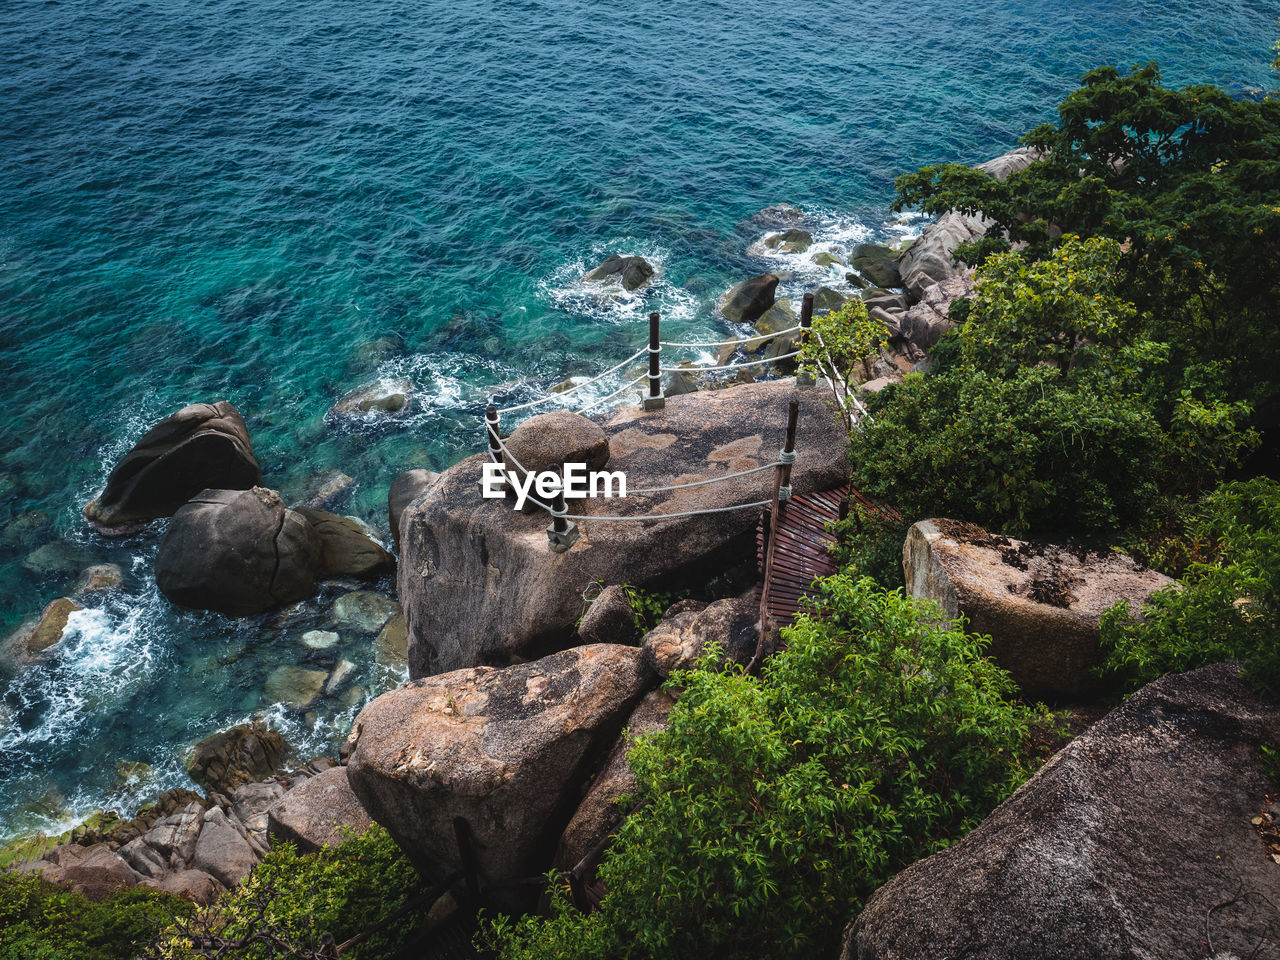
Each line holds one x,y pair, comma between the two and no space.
730,366
562,514
736,340
553,397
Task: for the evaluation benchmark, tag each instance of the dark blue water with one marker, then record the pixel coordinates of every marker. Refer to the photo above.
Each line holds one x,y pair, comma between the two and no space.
232,200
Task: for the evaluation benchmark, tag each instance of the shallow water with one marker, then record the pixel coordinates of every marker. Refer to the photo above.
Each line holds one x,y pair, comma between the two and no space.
233,200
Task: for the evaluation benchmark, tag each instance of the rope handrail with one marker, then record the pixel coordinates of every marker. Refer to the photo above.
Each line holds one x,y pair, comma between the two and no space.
655,516
605,399
578,386
725,343
729,366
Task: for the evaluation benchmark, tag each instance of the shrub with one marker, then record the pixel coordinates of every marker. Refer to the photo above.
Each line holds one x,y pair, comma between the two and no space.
769,809
1226,608
1036,452
41,921
298,898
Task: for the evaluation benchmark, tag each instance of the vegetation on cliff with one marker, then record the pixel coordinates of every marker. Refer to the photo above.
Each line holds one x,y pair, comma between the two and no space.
769,808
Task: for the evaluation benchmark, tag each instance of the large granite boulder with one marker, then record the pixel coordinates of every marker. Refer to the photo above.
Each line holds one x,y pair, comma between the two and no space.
230,758
346,547
630,273
926,322
1041,604
598,816
550,440
405,489
682,637
238,552
312,813
1135,841
479,585
748,300
507,750
931,258
204,446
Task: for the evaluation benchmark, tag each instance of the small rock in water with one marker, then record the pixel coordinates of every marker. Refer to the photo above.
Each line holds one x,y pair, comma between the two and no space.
364,610
61,556
320,639
131,772
630,273
99,578
368,355
338,676
382,398
296,687
790,241
25,528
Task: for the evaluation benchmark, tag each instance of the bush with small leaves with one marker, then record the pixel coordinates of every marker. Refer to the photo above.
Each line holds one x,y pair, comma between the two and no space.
770,808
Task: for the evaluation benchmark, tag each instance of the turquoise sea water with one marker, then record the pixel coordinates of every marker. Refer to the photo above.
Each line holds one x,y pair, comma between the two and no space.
233,200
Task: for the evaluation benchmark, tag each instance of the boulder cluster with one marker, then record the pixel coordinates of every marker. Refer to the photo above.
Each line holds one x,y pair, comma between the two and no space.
196,846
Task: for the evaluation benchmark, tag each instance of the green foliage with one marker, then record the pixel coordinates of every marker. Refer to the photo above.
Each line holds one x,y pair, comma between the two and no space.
1184,179
648,606
840,347
1036,452
1225,609
341,891
869,543
41,921
770,809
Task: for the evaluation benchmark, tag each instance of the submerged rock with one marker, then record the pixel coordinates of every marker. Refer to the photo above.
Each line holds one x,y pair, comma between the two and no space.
364,610
201,447
393,642
506,750
34,637
382,398
99,578
238,552
1041,604
630,273
295,687
1135,840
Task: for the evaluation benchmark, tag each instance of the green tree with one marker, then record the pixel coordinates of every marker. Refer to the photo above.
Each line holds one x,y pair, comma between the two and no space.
840,347
1185,180
769,809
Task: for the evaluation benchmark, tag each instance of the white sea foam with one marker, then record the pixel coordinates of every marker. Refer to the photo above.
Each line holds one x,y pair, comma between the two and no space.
609,303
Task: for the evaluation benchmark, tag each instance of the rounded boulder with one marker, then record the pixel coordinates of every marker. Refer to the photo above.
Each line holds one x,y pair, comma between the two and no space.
237,552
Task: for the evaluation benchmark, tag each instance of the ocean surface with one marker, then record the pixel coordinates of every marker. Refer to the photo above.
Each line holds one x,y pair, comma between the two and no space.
274,203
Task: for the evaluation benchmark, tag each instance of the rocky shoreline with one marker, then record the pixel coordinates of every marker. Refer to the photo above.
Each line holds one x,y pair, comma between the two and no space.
503,754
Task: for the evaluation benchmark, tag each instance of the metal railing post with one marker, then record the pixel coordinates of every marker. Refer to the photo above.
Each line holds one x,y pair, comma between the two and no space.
655,400
561,533
804,378
781,494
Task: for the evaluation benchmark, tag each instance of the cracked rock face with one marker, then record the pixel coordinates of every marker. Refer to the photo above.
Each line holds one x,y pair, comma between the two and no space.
508,750
1134,841
202,446
237,552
